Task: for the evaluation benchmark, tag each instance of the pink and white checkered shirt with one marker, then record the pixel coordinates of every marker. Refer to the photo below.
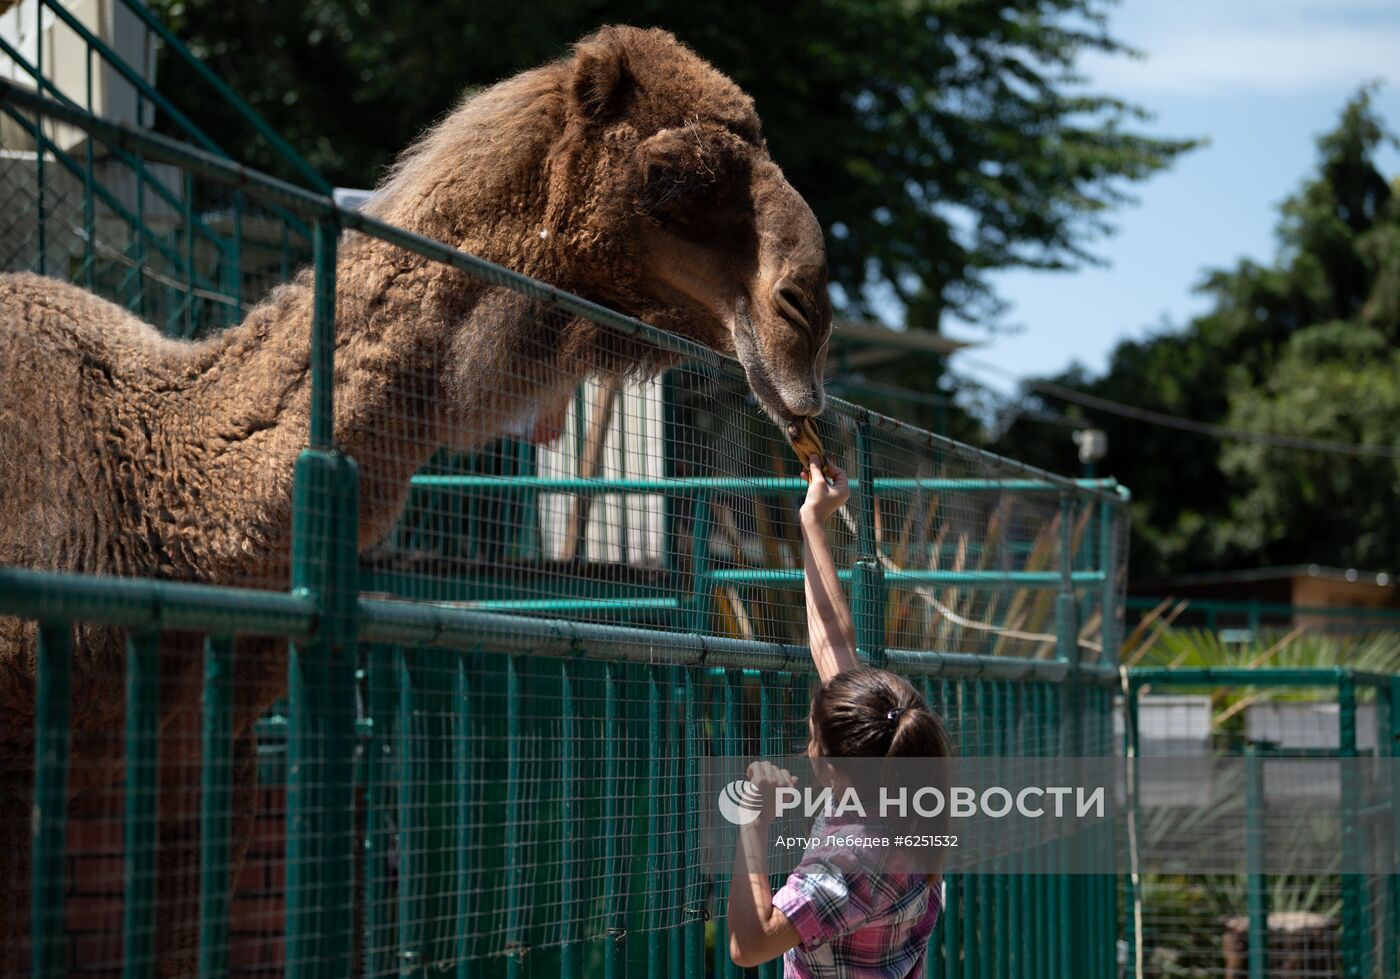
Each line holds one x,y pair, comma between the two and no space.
855,921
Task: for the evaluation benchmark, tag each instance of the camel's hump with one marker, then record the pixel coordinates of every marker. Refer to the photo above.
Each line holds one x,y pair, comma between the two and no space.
40,310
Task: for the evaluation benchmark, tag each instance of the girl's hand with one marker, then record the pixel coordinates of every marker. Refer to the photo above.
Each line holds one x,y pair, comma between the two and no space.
767,778
823,498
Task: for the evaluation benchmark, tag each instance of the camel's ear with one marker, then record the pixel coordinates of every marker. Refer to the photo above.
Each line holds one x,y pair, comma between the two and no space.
601,81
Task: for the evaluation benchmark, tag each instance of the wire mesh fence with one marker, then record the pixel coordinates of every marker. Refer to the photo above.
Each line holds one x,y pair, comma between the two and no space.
441,706
1316,790
1251,621
673,503
182,255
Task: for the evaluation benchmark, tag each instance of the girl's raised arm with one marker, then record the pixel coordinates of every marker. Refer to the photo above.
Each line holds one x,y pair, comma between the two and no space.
830,630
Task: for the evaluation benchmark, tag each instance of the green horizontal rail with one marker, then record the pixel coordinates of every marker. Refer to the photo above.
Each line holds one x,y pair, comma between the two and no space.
49,596
974,666
738,484
1265,608
1239,676
54,596
416,622
571,604
985,579
220,170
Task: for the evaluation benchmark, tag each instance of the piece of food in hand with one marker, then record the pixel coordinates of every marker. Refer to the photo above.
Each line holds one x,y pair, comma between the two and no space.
806,443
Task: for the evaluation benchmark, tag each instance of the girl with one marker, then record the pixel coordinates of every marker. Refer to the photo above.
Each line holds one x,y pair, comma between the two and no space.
832,919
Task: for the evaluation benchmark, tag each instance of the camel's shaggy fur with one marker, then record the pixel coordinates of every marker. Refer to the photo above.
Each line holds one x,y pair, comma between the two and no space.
631,172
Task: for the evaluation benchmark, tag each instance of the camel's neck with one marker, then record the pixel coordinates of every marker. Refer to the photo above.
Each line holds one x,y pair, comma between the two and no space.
479,179
425,357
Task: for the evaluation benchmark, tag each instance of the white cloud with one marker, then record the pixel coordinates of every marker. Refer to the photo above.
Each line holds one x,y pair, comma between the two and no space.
1274,47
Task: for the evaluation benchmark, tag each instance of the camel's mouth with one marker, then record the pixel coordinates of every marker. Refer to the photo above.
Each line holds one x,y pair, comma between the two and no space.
788,393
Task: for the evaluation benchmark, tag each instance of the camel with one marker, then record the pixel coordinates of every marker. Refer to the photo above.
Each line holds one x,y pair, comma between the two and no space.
630,172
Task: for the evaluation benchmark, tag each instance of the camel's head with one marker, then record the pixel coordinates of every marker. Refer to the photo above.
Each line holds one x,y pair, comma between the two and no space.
669,208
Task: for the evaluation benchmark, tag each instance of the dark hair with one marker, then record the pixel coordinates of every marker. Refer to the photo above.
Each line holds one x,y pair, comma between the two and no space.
870,713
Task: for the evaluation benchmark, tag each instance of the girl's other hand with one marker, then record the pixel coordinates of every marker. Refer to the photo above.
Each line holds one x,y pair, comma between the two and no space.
824,498
767,778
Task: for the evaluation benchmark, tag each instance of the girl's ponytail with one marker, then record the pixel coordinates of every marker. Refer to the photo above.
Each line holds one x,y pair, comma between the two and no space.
869,713
918,733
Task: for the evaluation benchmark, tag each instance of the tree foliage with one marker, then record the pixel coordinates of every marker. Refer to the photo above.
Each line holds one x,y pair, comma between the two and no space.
936,140
1308,345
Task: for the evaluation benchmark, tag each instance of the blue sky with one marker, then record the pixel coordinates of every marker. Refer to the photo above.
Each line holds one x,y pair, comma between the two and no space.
1260,79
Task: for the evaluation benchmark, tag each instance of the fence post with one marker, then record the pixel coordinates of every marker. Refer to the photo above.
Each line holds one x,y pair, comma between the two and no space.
771,703
1072,902
658,685
140,836
1109,635
615,813
1067,634
696,911
516,843
568,812
49,819
1131,920
215,804
381,794
1257,896
1102,947
464,774
867,577
1391,694
425,807
321,672
1354,940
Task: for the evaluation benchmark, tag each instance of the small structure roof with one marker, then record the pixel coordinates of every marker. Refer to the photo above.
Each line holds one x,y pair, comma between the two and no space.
1380,578
862,344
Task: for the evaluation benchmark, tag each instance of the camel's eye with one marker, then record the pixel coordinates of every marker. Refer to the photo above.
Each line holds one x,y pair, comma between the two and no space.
686,169
667,191
747,130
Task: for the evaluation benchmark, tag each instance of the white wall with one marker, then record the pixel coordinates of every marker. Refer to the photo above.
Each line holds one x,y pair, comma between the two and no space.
630,452
65,60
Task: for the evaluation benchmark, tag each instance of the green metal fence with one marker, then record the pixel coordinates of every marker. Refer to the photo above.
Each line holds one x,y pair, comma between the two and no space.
524,657
1252,619
182,254
1262,922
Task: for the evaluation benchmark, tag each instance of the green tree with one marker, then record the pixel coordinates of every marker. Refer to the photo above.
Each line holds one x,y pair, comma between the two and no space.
1340,381
937,140
1309,346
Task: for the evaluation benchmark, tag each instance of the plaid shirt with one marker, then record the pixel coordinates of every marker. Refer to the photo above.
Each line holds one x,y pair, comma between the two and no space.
854,921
